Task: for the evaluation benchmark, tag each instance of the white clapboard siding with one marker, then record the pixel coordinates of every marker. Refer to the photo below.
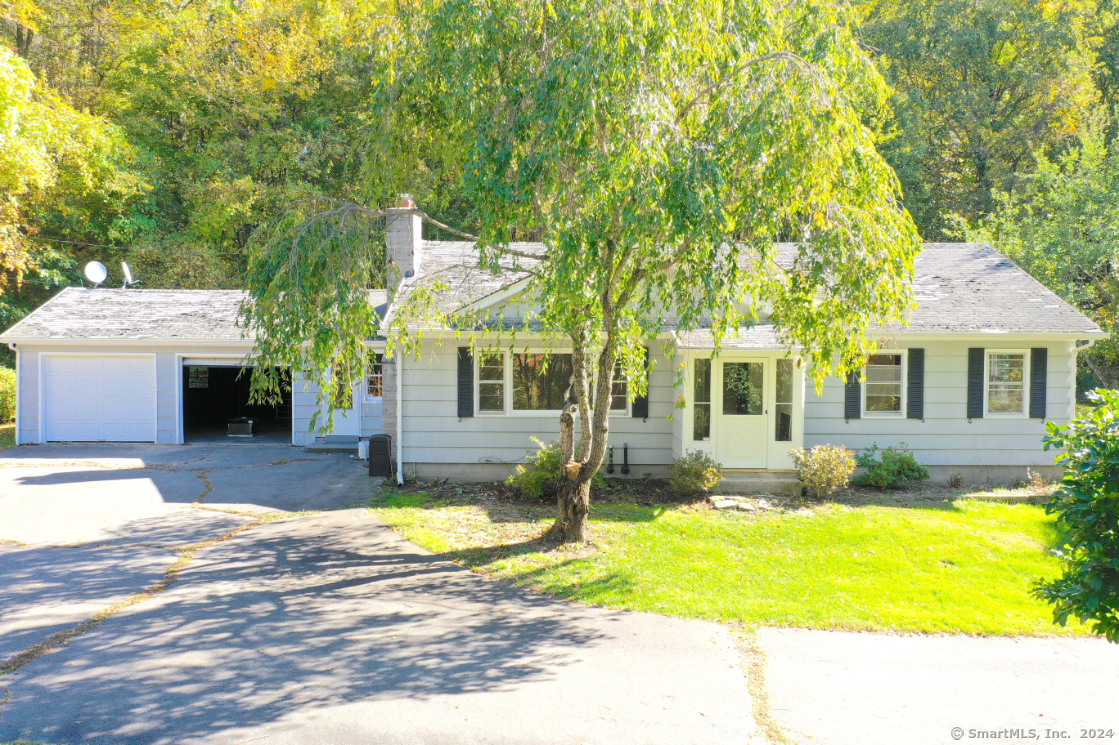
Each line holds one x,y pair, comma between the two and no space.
433,432
945,437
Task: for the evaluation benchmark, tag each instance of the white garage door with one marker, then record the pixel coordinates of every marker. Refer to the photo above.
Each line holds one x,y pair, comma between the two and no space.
99,398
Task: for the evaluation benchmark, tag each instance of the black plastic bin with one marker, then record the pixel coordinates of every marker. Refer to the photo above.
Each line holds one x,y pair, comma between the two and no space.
380,455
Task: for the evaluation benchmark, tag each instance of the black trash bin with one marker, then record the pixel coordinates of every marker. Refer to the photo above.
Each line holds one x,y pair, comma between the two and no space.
380,455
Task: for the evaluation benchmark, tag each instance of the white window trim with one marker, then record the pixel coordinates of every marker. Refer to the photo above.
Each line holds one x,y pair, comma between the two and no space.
904,388
1024,413
507,381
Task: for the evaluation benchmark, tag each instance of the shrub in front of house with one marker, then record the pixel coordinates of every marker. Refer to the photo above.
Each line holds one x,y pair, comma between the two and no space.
895,468
1086,503
7,394
693,472
540,477
823,469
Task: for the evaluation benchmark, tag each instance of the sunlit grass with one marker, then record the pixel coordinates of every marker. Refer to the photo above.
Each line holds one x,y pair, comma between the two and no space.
7,435
964,567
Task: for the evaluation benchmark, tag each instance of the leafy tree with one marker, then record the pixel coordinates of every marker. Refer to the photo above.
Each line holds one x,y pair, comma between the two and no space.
1087,508
1061,224
658,150
979,86
53,158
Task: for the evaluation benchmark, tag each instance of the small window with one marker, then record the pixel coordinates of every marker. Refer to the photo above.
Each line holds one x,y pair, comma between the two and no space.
784,401
742,388
619,390
540,382
1006,383
883,385
375,379
701,403
491,382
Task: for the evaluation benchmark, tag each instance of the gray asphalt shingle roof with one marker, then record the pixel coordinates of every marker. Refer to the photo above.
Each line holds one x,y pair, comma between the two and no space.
102,313
960,288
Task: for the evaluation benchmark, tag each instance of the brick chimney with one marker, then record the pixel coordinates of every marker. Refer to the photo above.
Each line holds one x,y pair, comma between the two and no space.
403,241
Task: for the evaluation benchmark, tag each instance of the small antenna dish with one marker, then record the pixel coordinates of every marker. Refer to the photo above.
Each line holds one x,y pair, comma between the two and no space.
128,281
96,272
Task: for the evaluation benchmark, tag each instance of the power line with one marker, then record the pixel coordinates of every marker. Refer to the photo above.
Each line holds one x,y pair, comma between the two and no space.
138,248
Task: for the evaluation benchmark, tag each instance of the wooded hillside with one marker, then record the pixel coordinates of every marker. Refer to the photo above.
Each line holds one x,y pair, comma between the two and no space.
165,132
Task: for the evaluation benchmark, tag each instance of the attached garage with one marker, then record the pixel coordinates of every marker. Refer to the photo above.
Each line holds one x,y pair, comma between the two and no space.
99,398
162,366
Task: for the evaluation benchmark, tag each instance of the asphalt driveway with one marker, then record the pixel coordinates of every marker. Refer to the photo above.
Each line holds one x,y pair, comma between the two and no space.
236,593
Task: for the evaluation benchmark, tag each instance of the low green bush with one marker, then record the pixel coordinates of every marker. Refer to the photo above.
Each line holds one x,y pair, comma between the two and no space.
896,468
823,469
540,477
693,472
1087,507
7,394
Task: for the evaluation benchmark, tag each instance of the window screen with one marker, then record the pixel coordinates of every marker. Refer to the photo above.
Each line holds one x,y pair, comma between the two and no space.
1006,383
784,419
701,401
742,388
883,384
491,382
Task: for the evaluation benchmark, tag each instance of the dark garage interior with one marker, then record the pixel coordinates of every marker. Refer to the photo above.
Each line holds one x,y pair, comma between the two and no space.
214,395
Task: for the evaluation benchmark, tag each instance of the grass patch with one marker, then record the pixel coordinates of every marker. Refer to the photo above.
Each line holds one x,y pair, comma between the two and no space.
940,565
7,435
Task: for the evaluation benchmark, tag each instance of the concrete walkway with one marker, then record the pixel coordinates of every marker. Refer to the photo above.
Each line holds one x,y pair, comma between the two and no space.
314,628
834,688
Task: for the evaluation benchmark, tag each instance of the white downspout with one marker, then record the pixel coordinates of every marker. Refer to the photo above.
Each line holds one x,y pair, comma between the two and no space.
400,420
19,374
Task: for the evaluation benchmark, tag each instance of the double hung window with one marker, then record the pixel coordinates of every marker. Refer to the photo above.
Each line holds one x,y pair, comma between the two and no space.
884,387
1006,383
375,378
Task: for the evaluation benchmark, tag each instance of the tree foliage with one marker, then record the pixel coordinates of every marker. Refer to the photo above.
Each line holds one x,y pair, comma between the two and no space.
659,152
979,87
1061,224
1087,507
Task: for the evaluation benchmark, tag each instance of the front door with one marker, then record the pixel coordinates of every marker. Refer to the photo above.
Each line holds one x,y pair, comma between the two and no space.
742,421
347,412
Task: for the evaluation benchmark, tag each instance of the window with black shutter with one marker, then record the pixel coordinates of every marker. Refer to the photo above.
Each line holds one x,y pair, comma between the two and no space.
975,383
465,382
1039,360
852,399
640,408
915,385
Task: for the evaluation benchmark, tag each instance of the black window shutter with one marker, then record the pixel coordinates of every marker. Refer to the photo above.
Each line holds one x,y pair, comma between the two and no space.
852,397
465,382
1039,361
975,383
640,407
915,393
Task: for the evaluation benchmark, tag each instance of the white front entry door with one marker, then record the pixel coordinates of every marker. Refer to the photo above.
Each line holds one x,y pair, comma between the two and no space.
347,413
99,398
741,416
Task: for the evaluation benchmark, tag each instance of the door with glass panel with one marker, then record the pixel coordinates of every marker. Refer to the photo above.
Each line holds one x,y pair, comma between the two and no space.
742,421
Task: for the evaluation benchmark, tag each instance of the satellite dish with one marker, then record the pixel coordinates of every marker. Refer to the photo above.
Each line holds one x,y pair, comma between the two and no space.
127,275
96,272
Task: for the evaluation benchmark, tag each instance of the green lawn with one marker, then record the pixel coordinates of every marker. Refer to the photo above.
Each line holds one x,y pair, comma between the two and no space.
7,435
963,566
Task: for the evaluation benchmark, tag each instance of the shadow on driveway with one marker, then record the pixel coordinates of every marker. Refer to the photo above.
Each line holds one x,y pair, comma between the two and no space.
328,628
